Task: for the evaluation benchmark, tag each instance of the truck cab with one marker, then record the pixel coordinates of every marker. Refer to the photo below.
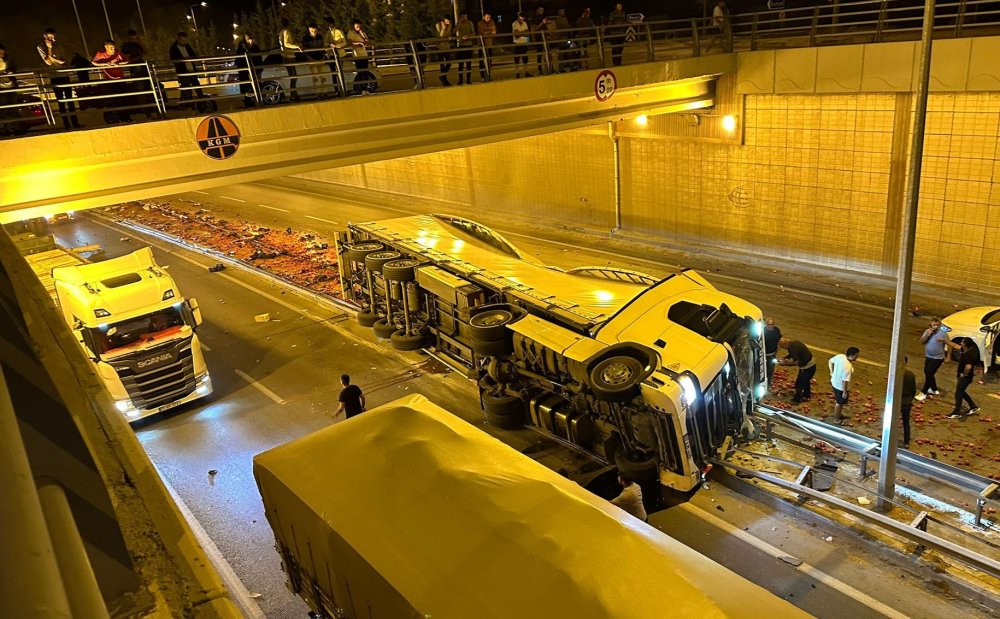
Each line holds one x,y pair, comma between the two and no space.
133,323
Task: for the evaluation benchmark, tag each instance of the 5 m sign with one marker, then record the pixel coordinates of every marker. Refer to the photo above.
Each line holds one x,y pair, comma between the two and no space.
605,85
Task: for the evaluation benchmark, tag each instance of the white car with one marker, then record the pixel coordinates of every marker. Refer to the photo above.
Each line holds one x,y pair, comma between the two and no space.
982,326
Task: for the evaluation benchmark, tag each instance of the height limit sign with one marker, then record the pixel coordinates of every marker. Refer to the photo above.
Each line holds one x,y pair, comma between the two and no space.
605,85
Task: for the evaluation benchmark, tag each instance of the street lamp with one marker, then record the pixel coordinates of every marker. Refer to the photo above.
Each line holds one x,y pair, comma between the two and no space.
194,20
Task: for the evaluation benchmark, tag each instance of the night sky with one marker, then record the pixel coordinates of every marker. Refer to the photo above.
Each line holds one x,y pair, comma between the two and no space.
22,21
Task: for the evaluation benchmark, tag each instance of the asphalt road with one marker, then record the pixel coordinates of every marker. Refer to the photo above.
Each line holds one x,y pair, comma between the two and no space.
277,380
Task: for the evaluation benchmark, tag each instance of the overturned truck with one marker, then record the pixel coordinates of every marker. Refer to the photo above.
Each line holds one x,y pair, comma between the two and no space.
652,375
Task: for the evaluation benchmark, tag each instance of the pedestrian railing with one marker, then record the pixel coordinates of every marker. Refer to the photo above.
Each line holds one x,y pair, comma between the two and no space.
202,85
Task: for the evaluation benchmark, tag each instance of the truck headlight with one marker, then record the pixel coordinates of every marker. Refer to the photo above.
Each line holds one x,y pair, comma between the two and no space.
757,328
204,385
125,406
690,394
761,390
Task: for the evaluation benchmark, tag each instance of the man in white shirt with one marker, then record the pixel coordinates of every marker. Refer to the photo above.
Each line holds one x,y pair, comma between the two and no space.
841,371
630,498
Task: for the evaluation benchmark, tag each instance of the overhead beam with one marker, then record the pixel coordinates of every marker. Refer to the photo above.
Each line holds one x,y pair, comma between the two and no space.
77,170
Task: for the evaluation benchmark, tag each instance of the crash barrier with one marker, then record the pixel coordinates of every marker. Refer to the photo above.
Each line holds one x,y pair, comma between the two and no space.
201,84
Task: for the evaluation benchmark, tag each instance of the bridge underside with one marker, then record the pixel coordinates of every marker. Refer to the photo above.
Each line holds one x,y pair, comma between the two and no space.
78,170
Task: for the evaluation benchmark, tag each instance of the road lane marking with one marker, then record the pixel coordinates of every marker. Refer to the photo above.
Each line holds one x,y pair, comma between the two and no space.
834,352
620,257
259,387
323,220
804,567
274,208
241,595
993,395
233,199
204,193
204,346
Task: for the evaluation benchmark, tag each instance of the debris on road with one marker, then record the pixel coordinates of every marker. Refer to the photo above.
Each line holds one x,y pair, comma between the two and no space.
262,318
215,268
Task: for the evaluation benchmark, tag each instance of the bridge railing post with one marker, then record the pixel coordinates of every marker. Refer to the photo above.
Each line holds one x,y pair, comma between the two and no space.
960,18
485,60
254,82
695,37
50,116
753,32
600,45
546,51
883,9
418,69
813,27
650,51
341,82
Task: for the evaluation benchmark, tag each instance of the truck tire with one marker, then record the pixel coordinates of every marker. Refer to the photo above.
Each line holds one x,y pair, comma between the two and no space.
492,349
401,341
399,270
637,468
505,422
383,330
502,404
490,325
367,318
376,260
616,378
356,252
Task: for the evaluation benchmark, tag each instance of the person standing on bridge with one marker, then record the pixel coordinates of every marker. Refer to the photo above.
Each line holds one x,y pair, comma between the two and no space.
180,49
799,355
616,33
584,29
520,29
841,372
314,49
291,53
108,59
487,29
444,31
55,58
538,26
464,34
772,335
352,400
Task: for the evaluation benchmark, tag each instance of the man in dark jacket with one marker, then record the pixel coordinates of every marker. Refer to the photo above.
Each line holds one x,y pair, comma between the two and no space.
800,356
55,58
180,49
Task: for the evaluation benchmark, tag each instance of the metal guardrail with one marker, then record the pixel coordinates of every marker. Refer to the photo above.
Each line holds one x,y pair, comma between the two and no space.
869,449
202,84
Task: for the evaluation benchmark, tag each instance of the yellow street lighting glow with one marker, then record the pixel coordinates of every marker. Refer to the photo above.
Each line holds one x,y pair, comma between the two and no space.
604,296
729,123
642,119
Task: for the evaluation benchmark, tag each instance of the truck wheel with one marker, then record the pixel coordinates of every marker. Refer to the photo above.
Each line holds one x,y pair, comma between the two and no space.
399,270
367,318
383,330
376,260
616,379
502,404
401,341
492,349
637,468
490,325
356,252
505,422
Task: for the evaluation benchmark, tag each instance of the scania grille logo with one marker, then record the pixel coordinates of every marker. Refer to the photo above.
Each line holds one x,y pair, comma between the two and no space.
153,360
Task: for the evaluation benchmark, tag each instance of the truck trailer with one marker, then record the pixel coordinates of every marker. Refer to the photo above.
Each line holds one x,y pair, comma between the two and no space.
408,511
653,375
131,320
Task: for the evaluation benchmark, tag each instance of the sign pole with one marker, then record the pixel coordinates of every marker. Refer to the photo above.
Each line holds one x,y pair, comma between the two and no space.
904,276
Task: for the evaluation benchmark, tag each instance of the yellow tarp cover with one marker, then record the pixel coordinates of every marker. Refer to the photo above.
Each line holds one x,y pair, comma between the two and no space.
408,511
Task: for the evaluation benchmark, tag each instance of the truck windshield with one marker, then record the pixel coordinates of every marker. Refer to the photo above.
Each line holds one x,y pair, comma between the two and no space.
146,328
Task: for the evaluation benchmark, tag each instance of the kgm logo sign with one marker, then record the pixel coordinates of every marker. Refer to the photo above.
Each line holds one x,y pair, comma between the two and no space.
218,137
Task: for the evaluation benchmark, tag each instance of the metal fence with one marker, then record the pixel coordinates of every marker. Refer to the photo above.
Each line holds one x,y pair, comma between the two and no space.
202,85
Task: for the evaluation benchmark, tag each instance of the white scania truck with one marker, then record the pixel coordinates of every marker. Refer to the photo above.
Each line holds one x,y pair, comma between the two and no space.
652,375
132,322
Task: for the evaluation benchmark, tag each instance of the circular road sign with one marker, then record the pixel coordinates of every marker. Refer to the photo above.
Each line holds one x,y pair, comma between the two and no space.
218,137
605,85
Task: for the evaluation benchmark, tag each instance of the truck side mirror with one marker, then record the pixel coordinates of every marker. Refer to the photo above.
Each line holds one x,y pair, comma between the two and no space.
195,311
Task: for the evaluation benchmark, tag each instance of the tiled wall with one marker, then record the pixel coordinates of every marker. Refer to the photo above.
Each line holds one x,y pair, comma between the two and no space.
811,182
